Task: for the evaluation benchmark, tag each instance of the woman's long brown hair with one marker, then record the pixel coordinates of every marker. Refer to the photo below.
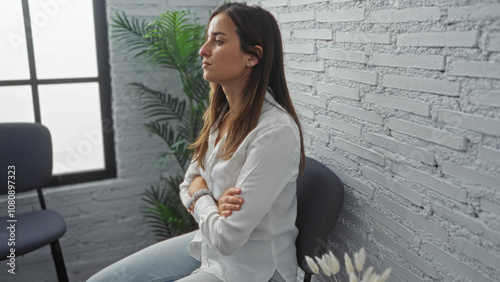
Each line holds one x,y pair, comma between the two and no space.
255,27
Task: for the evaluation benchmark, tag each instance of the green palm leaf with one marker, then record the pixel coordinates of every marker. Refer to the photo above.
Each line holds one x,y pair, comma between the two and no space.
158,105
171,41
174,140
163,212
130,33
176,38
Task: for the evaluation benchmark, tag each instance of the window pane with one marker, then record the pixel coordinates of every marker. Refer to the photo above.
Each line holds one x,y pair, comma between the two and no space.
14,55
63,38
16,104
72,113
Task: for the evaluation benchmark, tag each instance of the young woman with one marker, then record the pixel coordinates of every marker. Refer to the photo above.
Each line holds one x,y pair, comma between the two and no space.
240,185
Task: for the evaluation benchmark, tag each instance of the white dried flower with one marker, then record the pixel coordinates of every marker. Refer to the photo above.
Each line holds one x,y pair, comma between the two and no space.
385,275
348,264
359,259
312,265
353,278
324,265
333,262
375,278
367,274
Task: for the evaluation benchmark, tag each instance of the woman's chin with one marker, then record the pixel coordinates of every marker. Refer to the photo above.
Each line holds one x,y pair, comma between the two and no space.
208,78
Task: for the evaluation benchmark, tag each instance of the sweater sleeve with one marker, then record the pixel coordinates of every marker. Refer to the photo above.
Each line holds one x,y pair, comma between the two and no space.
272,161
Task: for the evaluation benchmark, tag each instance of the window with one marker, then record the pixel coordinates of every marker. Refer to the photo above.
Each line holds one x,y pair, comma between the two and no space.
54,70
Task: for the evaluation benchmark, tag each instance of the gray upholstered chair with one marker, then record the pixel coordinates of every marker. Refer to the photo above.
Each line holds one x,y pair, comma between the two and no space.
26,160
320,197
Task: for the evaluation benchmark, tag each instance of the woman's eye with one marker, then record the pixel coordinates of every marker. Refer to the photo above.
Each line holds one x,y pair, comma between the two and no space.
217,41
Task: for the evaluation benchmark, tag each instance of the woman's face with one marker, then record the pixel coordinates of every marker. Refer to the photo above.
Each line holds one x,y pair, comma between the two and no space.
223,60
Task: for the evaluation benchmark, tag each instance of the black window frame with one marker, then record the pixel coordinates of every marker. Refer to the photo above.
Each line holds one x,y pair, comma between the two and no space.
104,81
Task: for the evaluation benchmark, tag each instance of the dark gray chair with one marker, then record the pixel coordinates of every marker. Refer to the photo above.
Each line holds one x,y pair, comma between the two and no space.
26,160
320,197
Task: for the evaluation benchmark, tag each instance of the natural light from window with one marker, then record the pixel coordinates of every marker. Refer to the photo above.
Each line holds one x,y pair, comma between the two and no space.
17,104
14,55
62,37
64,49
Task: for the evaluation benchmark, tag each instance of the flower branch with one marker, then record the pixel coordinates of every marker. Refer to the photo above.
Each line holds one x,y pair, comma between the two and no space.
329,265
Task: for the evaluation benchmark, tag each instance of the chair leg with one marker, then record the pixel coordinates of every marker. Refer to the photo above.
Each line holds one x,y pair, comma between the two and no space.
307,277
62,275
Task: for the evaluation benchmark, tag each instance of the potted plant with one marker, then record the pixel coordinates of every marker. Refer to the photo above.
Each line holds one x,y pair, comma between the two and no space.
171,41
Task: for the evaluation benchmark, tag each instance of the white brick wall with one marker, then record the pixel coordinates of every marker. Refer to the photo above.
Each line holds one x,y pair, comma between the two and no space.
439,39
341,16
354,75
359,113
296,17
494,44
339,54
436,86
474,13
342,91
363,37
388,143
304,48
402,102
430,62
428,133
405,15
475,69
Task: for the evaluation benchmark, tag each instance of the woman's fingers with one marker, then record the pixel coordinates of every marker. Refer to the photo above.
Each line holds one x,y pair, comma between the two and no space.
231,200
230,207
232,191
224,207
228,202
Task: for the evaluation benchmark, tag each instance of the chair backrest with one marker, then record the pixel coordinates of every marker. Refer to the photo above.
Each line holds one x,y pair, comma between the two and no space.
26,154
320,197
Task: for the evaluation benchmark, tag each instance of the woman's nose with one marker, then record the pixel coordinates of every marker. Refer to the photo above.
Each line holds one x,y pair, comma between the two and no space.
204,50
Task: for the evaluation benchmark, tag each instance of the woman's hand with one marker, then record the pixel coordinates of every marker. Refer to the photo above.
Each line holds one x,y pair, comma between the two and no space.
198,183
229,202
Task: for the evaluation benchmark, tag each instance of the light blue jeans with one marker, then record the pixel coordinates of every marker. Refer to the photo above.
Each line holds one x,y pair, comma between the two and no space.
168,260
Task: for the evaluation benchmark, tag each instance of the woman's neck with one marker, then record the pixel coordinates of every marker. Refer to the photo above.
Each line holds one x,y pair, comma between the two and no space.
234,95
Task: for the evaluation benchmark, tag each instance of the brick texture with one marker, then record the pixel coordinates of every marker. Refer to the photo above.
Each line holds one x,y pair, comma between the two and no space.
405,110
405,15
435,86
363,37
341,16
342,55
431,62
439,39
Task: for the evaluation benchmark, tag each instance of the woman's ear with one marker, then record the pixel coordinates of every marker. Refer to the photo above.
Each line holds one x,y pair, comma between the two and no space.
253,60
257,49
